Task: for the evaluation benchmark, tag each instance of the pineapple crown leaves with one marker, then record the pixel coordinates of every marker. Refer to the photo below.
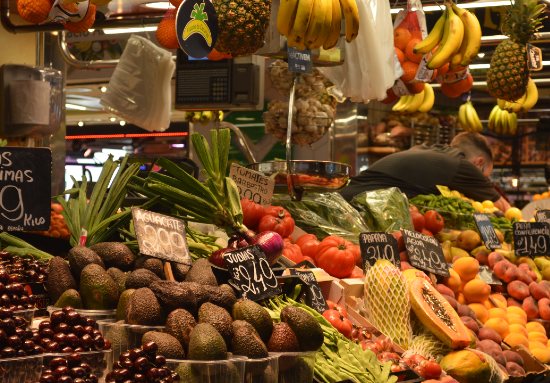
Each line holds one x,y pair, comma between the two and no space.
523,19
198,12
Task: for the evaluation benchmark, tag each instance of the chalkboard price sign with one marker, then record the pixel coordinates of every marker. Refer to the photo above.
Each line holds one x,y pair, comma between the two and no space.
161,236
543,216
375,246
252,184
531,239
425,253
487,231
314,295
251,273
25,188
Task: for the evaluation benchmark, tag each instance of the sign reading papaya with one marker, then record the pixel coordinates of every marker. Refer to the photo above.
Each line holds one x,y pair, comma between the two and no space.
196,27
161,236
25,188
375,246
531,239
425,253
487,231
252,184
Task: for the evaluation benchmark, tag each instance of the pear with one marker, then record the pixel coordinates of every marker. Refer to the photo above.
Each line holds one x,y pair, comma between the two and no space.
468,240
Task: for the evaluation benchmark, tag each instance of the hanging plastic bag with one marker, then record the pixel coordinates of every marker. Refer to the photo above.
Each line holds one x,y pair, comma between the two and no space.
140,89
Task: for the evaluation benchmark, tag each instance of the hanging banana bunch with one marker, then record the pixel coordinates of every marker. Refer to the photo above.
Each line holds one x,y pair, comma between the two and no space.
468,118
419,102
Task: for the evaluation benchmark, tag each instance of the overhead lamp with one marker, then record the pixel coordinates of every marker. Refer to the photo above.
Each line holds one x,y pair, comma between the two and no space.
103,89
122,122
75,107
477,4
157,5
117,31
486,66
112,119
80,123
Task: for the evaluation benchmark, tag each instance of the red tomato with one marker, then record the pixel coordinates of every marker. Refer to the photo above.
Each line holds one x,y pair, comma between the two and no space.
308,245
277,219
356,253
252,213
357,273
427,232
343,325
335,256
341,309
305,238
418,221
293,252
434,221
429,369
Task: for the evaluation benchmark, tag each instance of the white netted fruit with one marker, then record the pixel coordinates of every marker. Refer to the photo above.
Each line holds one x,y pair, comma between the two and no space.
387,302
428,345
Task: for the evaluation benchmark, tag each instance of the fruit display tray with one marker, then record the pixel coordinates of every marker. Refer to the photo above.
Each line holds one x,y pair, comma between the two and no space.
25,369
230,370
101,362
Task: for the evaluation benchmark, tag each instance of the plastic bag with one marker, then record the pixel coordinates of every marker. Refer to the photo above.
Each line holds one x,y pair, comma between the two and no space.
324,214
139,90
384,209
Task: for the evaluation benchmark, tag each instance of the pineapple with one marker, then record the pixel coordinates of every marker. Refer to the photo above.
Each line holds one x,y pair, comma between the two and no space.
241,25
508,75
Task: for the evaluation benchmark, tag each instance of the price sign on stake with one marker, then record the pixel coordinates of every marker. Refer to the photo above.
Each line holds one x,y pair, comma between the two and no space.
531,239
299,61
251,273
488,233
425,253
161,236
543,216
252,184
375,246
314,296
25,188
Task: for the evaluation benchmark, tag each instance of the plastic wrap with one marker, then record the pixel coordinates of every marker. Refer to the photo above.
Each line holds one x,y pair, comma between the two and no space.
384,209
324,214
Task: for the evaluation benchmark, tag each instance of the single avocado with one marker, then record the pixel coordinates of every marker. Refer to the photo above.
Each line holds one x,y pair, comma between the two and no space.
222,295
174,295
70,298
246,341
59,278
179,324
201,272
305,326
123,302
152,264
97,289
283,339
168,346
144,308
80,257
115,254
256,315
140,278
119,277
219,318
206,343
180,270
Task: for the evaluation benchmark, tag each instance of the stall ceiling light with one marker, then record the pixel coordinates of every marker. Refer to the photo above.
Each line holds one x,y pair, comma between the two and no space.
117,31
486,66
75,107
477,4
158,5
129,135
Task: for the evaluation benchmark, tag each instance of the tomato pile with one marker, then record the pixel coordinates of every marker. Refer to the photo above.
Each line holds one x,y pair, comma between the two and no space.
270,218
429,223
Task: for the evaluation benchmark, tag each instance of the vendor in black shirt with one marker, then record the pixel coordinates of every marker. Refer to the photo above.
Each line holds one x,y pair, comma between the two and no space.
463,166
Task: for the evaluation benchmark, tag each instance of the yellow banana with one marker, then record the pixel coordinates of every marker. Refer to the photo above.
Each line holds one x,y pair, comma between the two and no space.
400,104
476,120
433,38
492,115
297,34
285,16
316,23
501,103
462,118
429,98
472,118
415,102
336,24
472,37
327,23
503,122
516,106
531,96
451,41
351,16
512,123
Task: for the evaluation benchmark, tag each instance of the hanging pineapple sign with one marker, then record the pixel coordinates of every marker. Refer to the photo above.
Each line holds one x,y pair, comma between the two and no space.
196,27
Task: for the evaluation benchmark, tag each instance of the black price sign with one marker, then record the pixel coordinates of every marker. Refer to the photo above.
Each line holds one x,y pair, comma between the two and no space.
487,231
375,246
425,253
531,238
299,61
543,216
314,295
252,184
251,273
25,188
161,236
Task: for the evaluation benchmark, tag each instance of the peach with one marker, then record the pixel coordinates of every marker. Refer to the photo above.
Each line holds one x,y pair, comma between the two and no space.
524,277
518,328
499,300
506,271
514,369
518,310
445,290
467,268
517,319
512,356
482,257
525,267
498,313
493,258
538,290
535,336
535,344
518,290
488,305
512,302
453,281
544,308
465,311
451,301
499,325
470,323
535,327
460,298
530,307
515,339
476,291
490,347
404,256
482,314
489,333
542,354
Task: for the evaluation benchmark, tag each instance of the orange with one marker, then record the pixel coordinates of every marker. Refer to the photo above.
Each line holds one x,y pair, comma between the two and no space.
477,291
467,268
499,325
166,30
481,311
401,37
416,87
535,344
515,318
453,281
34,11
517,328
463,85
535,326
499,300
409,71
409,53
515,339
176,3
83,25
460,299
537,197
400,55
537,337
498,313
542,354
519,311
443,70
216,55
449,91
